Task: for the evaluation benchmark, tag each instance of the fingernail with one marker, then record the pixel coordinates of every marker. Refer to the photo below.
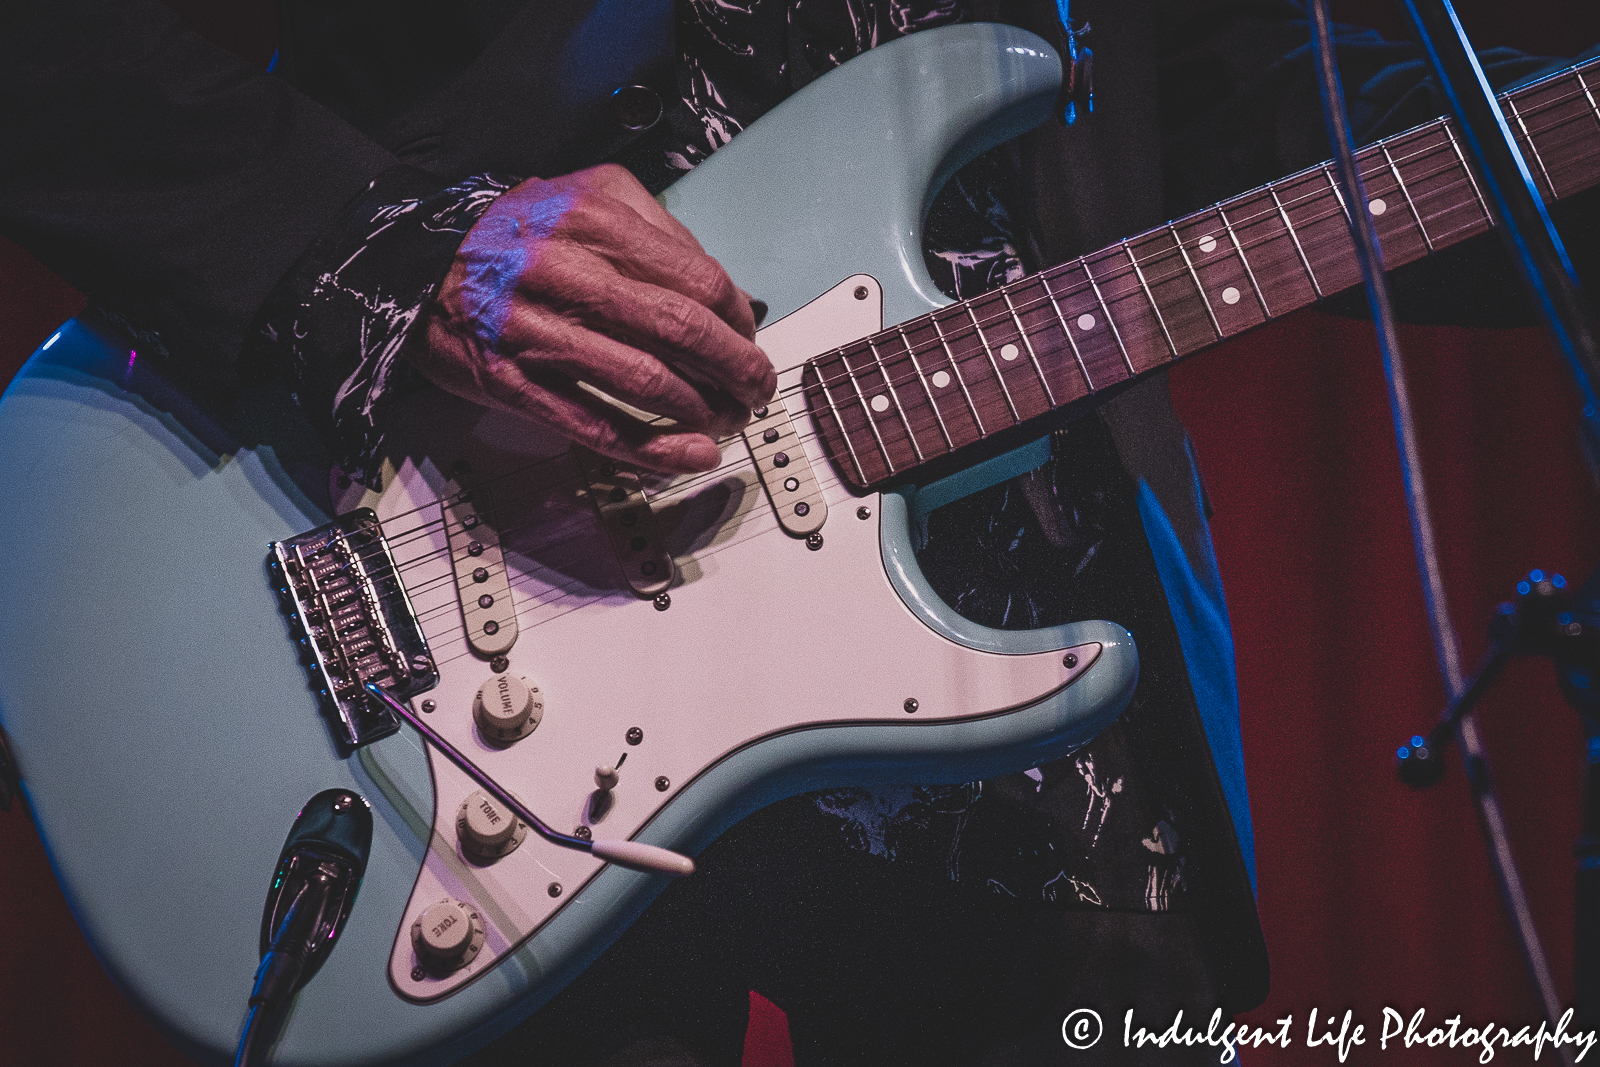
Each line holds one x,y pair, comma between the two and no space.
702,455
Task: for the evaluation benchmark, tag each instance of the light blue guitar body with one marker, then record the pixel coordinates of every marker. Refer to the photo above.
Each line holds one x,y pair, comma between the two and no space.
159,712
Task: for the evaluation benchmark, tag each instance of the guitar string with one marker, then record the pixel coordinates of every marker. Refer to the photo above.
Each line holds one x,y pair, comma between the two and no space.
1165,255
768,521
765,523
690,486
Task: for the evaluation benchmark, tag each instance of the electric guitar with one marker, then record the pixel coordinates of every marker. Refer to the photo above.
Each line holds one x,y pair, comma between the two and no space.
192,608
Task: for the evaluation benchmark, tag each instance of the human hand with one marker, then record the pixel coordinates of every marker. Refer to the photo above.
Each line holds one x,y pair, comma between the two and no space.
586,278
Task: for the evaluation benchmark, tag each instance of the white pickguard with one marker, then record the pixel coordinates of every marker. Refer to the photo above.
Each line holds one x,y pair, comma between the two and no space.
763,636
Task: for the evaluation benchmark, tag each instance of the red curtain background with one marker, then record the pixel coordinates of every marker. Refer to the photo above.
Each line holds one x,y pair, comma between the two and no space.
1372,895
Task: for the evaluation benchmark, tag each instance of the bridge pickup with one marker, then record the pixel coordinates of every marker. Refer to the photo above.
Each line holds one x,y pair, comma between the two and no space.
785,471
480,568
354,621
625,514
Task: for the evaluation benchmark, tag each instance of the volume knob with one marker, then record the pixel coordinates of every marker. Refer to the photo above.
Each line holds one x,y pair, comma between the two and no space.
507,708
447,936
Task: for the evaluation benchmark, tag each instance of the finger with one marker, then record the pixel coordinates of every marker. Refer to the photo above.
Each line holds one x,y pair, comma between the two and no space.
490,379
549,349
591,422
682,333
616,231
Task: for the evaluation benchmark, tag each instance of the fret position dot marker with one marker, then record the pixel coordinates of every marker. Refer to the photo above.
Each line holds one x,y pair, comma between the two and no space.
1086,322
1230,295
1008,352
880,403
1208,243
940,379
1377,206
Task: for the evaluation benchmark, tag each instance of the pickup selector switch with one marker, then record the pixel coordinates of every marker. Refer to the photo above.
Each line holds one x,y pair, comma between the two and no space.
486,829
447,936
507,708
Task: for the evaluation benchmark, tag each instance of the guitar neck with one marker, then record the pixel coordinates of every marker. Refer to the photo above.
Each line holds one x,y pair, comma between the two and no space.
912,394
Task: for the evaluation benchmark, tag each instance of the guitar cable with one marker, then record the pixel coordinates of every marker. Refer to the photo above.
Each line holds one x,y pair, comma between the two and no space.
313,889
284,966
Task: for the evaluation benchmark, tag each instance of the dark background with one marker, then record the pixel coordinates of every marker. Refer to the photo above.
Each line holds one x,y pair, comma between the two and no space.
1371,894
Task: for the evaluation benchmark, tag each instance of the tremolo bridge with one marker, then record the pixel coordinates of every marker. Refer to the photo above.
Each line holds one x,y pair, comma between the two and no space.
349,610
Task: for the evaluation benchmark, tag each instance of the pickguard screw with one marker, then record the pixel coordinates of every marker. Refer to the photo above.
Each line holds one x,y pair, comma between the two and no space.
421,664
429,707
555,889
663,601
863,512
814,541
911,705
1069,661
663,784
418,974
862,293
583,832
500,664
635,735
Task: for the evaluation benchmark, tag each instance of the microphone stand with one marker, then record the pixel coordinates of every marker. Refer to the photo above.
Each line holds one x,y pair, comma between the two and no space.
1547,276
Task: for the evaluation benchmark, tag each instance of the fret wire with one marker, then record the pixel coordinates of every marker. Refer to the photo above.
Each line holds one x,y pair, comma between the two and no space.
977,420
1233,236
883,372
1401,183
1255,286
866,409
1195,275
1583,82
987,351
1116,334
1453,147
1516,113
1083,368
1316,286
1327,173
844,431
1027,343
1472,179
949,442
1150,296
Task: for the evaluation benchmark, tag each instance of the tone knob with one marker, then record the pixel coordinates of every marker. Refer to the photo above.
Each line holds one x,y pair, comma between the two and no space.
447,936
486,828
507,708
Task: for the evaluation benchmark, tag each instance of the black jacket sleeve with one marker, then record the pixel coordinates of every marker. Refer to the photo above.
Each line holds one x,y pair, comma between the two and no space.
162,175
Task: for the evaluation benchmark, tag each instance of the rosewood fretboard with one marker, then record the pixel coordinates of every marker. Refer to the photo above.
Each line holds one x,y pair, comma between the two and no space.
916,392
